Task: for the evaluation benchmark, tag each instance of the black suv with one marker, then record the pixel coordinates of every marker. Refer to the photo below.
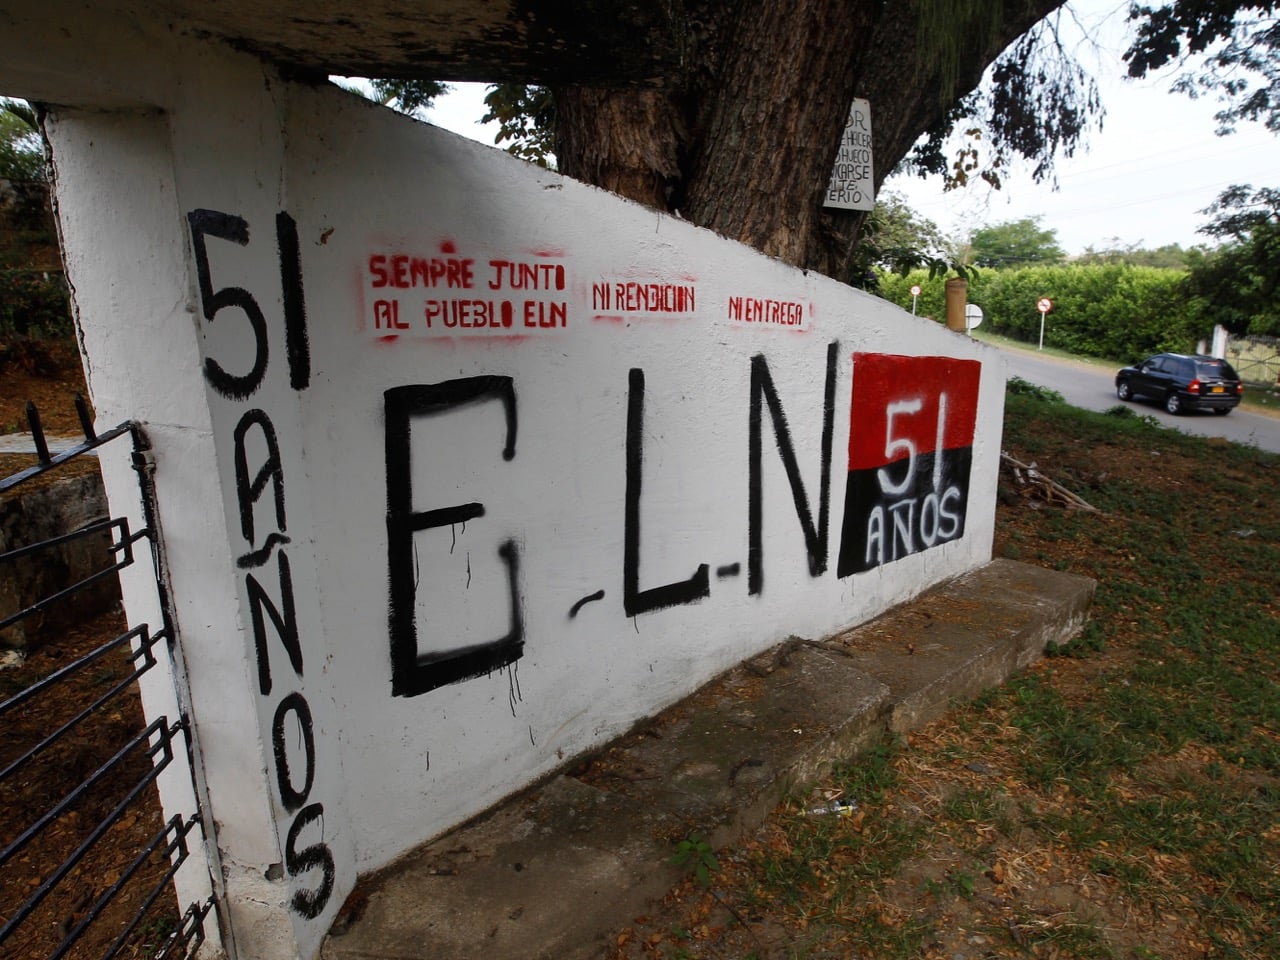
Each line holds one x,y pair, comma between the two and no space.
1182,383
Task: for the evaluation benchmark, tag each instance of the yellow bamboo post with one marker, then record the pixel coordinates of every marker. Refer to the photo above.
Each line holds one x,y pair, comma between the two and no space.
957,299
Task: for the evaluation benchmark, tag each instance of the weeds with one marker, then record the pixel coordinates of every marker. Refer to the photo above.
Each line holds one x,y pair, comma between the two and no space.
696,855
1024,388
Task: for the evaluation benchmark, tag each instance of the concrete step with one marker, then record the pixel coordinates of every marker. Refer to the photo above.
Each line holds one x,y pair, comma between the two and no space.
553,872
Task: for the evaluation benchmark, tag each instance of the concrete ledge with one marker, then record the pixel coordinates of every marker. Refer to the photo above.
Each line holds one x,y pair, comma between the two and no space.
967,635
555,870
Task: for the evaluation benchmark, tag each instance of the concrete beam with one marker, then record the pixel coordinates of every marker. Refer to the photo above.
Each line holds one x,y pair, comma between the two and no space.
70,52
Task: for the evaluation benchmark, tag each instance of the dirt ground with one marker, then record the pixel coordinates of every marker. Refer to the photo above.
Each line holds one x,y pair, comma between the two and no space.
48,374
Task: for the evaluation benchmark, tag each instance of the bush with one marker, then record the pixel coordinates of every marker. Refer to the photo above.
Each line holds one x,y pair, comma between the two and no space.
1116,311
34,304
1024,388
1109,310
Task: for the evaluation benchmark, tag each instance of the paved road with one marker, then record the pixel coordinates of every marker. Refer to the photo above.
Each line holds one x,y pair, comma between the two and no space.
1093,387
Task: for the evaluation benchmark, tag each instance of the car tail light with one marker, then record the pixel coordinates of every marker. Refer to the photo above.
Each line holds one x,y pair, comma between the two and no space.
1239,388
1193,386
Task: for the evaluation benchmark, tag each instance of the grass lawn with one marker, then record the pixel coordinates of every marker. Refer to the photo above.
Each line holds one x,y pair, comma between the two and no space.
1119,800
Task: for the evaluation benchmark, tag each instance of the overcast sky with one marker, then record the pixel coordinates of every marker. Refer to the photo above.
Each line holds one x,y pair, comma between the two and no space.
1141,181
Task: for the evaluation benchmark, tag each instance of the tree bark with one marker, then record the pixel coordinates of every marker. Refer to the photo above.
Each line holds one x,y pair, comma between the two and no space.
743,139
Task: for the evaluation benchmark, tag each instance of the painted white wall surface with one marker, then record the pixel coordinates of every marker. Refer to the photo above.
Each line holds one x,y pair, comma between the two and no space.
464,467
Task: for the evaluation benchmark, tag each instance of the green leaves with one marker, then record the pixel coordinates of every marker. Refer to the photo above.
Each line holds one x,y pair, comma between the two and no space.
408,96
1038,104
1016,243
1113,310
526,116
1238,284
695,855
21,152
1238,44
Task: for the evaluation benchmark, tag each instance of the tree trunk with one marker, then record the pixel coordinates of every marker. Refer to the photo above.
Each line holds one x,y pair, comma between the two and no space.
744,139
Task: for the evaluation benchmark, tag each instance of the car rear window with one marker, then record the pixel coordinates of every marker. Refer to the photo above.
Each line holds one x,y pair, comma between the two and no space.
1215,370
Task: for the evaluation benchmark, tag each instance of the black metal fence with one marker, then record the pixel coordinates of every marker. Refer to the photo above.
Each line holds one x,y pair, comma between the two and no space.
87,859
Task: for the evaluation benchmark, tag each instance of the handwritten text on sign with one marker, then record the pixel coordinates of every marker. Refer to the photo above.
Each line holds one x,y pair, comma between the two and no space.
852,186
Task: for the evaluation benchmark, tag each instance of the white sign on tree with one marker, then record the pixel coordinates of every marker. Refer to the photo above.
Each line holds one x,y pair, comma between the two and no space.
851,186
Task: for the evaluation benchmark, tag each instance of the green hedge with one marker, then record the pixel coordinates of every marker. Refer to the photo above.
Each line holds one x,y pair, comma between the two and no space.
1111,310
34,304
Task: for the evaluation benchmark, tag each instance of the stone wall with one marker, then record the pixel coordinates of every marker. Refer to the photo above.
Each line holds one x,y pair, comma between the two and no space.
51,509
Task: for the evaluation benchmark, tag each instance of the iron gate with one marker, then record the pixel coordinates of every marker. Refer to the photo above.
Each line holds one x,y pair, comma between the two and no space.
1256,359
88,861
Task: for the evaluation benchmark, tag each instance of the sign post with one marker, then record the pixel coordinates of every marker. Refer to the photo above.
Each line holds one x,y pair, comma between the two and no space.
1044,305
972,317
915,295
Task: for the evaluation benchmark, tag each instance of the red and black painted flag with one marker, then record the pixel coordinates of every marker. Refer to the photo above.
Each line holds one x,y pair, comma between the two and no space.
910,449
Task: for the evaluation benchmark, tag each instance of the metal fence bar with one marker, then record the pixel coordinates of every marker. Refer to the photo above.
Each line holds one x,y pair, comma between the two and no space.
63,672
63,805
123,546
175,845
153,747
1256,358
149,661
97,832
88,530
70,453
86,421
190,933
37,432
179,843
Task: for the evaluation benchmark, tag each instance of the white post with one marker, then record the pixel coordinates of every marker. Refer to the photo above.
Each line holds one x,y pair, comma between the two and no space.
144,306
1221,339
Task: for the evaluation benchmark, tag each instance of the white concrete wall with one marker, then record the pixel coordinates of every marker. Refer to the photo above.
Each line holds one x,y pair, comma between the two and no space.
607,540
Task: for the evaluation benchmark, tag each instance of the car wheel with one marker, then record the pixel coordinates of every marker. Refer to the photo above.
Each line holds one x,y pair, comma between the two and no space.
1124,391
1173,403
1222,411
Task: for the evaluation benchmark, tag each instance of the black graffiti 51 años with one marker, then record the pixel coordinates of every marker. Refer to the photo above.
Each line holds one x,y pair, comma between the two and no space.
264,566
